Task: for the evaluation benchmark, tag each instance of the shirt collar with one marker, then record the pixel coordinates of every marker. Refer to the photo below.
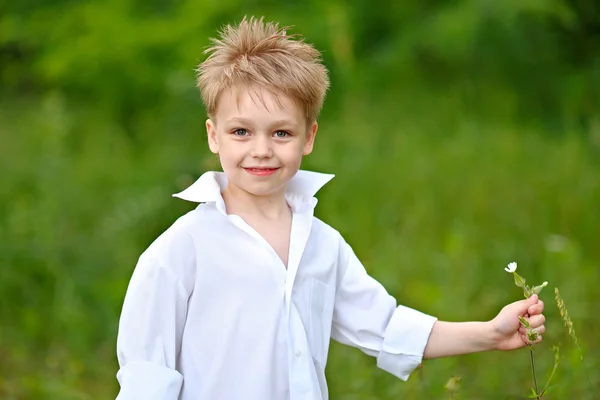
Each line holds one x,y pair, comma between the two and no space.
300,191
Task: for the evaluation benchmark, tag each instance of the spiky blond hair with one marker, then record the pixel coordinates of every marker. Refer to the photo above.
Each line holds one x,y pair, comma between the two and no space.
255,54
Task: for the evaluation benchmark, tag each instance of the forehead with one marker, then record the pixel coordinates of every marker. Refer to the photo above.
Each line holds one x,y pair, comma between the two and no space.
258,103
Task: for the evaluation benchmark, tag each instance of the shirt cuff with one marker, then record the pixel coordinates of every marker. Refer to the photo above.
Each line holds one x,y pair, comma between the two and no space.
149,381
404,342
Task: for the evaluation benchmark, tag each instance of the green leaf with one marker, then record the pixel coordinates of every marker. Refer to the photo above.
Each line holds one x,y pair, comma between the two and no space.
533,394
527,292
524,322
519,280
538,289
453,384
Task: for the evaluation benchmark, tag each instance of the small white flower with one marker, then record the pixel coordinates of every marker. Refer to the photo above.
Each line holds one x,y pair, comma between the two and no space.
512,267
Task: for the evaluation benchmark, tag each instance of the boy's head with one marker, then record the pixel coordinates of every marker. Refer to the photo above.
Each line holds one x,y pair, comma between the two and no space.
257,54
263,92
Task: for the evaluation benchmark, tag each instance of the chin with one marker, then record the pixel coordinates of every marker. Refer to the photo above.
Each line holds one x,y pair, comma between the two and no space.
262,189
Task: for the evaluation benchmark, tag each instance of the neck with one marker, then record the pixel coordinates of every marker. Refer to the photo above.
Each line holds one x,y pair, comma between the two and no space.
240,202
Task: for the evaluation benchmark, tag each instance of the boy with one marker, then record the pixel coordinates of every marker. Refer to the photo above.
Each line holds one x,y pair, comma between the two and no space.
238,299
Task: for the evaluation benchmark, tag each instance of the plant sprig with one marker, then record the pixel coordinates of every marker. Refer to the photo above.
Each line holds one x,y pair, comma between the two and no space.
521,282
532,335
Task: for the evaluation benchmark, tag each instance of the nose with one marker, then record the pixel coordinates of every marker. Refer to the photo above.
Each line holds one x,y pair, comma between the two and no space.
261,147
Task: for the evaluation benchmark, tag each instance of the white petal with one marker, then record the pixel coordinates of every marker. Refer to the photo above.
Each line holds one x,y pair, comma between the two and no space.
512,267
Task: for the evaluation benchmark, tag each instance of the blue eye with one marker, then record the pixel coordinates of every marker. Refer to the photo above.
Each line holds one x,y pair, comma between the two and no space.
282,134
240,132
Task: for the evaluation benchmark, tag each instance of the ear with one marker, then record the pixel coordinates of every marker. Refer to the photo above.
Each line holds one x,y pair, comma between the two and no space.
211,131
310,138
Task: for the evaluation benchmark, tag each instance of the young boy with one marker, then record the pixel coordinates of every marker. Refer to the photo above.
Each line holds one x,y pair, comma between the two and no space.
239,298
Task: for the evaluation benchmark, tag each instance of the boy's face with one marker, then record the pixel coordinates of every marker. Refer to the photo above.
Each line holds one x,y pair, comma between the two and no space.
260,139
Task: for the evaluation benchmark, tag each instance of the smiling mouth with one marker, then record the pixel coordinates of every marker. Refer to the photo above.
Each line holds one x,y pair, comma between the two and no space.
261,171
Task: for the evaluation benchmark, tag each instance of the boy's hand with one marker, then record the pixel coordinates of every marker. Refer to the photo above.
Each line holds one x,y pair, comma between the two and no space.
508,332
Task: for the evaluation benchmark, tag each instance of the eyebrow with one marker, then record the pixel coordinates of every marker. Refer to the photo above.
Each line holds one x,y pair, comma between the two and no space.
246,121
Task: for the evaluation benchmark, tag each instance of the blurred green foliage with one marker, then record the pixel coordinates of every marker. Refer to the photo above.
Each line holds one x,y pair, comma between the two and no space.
464,135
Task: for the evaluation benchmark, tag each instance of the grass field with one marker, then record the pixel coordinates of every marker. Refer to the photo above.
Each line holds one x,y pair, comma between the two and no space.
435,206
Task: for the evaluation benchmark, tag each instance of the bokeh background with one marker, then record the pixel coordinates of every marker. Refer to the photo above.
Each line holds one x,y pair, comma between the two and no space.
464,135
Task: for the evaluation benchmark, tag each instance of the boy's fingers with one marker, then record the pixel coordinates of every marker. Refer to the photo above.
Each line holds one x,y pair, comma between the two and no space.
534,299
536,320
522,306
540,329
537,308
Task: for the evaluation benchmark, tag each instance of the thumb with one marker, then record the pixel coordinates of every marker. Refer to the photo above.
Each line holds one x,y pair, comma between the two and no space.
523,305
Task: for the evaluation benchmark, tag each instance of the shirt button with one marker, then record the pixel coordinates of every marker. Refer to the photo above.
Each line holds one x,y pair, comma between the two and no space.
297,353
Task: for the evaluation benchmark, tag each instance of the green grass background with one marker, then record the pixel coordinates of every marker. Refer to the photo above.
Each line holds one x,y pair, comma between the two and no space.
462,139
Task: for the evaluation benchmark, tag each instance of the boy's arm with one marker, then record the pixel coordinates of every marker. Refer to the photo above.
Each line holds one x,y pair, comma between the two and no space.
501,333
367,317
151,325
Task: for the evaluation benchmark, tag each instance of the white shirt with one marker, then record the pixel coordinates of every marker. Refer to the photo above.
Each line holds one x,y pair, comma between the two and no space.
212,313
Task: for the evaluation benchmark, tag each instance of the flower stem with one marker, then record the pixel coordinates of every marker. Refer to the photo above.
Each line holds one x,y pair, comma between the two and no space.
533,371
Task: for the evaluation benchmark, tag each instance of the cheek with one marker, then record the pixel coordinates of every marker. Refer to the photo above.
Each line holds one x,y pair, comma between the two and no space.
293,154
230,156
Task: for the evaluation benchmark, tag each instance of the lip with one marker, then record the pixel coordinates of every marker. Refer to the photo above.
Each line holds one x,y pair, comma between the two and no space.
261,171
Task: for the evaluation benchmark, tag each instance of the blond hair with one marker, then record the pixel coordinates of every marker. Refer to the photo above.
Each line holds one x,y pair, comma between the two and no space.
258,54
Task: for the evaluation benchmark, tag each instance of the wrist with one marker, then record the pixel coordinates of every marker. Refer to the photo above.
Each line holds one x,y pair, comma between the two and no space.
492,336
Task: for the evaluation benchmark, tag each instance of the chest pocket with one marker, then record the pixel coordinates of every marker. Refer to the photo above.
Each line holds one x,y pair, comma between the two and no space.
322,297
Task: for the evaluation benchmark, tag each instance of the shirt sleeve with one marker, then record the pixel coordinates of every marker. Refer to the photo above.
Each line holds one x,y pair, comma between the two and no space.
152,322
367,317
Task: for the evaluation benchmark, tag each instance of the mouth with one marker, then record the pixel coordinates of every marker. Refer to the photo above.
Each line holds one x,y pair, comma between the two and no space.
261,171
